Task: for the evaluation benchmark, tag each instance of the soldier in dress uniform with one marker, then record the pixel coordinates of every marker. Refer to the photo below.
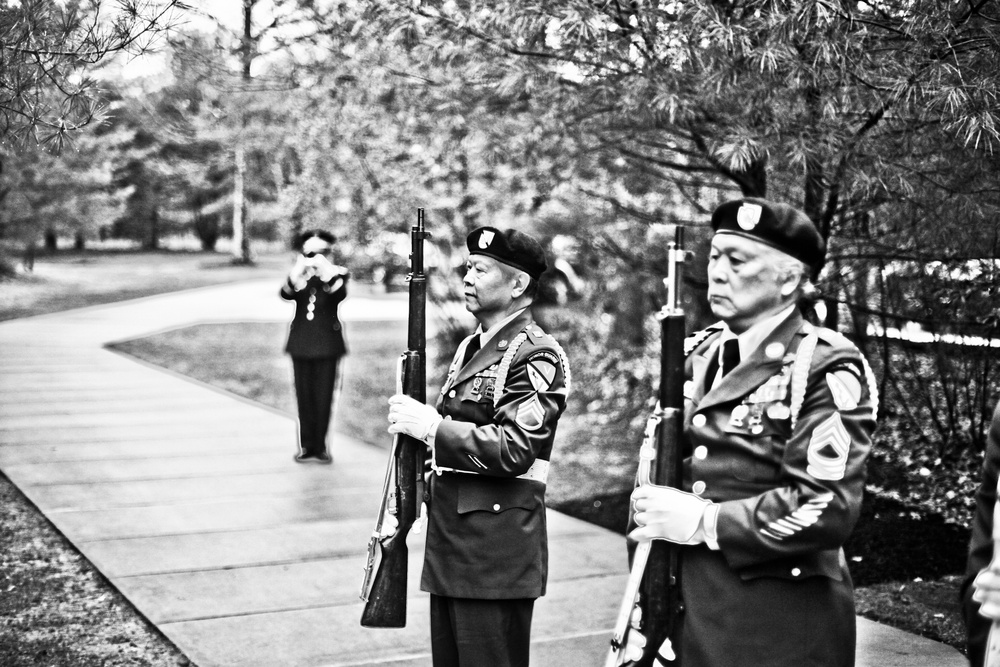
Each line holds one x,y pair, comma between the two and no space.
779,416
315,338
980,591
490,439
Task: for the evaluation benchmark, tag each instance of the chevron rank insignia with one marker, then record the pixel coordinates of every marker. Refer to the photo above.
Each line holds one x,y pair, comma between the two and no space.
828,450
530,414
845,387
798,520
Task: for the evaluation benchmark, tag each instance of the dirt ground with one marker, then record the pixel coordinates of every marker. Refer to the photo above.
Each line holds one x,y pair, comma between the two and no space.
56,609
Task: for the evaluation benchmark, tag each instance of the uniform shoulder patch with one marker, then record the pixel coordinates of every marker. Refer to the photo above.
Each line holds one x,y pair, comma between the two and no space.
845,387
542,368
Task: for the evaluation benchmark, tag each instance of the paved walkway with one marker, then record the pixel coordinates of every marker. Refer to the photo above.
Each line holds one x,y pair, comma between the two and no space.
187,499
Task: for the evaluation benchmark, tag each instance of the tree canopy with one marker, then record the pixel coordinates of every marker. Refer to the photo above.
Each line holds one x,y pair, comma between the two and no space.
48,50
596,125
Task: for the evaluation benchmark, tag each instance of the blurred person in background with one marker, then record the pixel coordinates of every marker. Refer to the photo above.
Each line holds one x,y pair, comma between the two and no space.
316,342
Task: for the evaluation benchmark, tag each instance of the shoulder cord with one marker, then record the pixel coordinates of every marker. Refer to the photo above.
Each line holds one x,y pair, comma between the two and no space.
872,386
800,374
508,359
504,367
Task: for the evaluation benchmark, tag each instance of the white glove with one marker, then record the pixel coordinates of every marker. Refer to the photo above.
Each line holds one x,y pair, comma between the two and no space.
412,418
986,591
325,269
299,274
665,513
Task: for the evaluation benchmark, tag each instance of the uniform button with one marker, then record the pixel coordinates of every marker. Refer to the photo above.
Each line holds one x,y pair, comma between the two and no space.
451,394
698,487
698,420
796,571
496,507
447,416
701,452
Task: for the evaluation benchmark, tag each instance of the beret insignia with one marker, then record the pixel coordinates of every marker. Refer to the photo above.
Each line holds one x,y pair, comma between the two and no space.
748,216
486,238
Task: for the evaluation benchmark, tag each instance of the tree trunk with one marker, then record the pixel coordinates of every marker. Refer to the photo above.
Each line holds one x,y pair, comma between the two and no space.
240,242
154,230
241,236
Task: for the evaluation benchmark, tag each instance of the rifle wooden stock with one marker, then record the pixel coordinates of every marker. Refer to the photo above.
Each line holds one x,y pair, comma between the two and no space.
652,604
385,584
385,606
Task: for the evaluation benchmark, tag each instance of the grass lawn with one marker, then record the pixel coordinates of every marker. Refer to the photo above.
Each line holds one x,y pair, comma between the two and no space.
207,353
214,354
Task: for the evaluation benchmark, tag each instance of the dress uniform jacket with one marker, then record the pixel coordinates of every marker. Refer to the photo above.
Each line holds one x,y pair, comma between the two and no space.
486,535
782,448
981,546
316,331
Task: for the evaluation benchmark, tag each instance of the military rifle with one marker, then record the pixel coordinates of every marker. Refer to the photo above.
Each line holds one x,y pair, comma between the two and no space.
384,587
651,606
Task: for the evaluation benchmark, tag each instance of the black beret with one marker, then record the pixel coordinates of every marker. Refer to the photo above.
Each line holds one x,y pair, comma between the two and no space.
309,233
509,246
778,225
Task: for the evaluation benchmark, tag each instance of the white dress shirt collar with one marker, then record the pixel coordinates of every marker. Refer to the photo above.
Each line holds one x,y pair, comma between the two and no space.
486,336
751,339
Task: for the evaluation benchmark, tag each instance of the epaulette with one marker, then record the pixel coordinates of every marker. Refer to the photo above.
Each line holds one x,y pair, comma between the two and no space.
699,337
833,338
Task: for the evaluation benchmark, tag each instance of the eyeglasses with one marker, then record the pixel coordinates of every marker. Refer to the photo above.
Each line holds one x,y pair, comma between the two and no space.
325,253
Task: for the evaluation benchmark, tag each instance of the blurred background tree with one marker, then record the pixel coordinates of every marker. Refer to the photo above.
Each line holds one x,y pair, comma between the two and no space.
598,127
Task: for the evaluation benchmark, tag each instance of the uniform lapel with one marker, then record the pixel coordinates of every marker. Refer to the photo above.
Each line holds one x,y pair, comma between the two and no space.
494,349
762,364
700,363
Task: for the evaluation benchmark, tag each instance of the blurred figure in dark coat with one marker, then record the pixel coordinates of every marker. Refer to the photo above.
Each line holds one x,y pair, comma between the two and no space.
315,338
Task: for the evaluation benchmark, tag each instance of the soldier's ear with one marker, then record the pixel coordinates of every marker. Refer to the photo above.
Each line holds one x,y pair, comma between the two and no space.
521,282
790,281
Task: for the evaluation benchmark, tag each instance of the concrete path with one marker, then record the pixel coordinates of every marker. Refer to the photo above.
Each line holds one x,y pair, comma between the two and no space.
188,500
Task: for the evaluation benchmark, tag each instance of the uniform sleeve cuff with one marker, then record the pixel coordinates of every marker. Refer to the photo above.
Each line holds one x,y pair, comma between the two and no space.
432,433
710,521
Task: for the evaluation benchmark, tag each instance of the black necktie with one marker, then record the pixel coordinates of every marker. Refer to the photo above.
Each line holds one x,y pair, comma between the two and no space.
471,349
730,360
730,355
